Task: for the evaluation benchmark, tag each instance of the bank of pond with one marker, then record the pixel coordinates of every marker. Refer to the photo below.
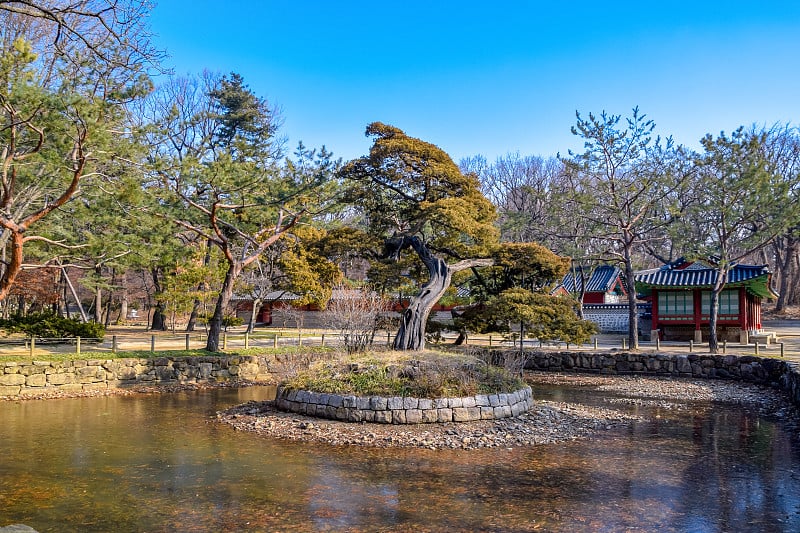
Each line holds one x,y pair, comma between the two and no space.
163,462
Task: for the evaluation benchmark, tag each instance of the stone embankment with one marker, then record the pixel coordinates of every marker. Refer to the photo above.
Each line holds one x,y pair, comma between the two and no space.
404,410
73,378
776,373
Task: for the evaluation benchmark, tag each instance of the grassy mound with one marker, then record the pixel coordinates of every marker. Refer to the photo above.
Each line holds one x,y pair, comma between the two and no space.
422,375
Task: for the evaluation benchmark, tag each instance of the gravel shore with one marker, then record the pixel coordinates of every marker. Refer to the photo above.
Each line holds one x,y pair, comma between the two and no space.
548,422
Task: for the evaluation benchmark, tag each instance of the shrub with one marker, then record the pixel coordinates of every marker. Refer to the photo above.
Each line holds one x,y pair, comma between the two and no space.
51,325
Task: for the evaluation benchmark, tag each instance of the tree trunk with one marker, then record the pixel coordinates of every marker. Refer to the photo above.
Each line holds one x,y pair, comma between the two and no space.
110,301
200,287
719,284
98,298
193,316
159,321
257,304
786,286
411,335
123,305
633,312
215,324
81,310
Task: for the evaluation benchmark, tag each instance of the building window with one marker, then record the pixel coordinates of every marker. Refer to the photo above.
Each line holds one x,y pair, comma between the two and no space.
728,302
675,303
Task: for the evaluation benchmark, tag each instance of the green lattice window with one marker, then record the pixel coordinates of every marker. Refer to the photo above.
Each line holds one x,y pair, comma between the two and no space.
675,303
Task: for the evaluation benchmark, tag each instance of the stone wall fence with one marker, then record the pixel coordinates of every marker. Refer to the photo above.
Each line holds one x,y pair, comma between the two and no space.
404,410
19,379
35,378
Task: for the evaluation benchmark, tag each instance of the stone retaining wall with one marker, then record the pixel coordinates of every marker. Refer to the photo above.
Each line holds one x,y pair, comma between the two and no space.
405,410
38,377
777,373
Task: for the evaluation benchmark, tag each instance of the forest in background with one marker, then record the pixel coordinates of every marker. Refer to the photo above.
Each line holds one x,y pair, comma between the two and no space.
124,187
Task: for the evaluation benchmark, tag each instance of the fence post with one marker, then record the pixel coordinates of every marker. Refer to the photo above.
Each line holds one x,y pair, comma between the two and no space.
33,344
323,340
187,342
658,343
152,343
724,345
466,339
299,340
113,344
691,345
781,349
756,347
624,347
275,341
595,344
490,341
78,345
224,341
388,338
246,340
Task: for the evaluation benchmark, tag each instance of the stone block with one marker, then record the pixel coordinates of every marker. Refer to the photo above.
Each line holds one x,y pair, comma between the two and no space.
494,400
383,417
398,416
369,416
362,402
502,411
12,379
425,403
394,403
454,403
487,412
349,401
469,402
355,415
378,403
7,390
204,370
60,378
36,380
444,415
440,403
429,416
461,414
482,400
413,416
334,400
410,403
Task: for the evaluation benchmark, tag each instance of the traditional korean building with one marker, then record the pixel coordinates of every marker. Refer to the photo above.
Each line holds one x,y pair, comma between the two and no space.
605,300
680,293
603,286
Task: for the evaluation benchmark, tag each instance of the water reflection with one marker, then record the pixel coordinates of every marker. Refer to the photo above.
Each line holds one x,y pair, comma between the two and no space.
163,463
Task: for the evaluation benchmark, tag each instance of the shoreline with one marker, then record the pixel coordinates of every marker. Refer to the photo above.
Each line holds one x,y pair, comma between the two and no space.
546,423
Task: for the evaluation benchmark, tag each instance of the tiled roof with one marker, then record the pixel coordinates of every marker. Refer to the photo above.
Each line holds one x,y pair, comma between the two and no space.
697,276
601,280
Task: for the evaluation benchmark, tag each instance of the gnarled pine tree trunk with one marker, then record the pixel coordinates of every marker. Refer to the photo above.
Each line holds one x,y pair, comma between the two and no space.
411,335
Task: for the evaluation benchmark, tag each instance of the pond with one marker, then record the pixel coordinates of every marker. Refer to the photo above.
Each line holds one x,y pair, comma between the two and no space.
164,463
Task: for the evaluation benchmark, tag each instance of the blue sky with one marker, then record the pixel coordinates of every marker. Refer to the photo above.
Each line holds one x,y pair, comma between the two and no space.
495,77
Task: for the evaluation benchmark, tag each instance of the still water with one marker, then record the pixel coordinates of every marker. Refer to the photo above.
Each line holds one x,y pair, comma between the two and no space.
163,463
